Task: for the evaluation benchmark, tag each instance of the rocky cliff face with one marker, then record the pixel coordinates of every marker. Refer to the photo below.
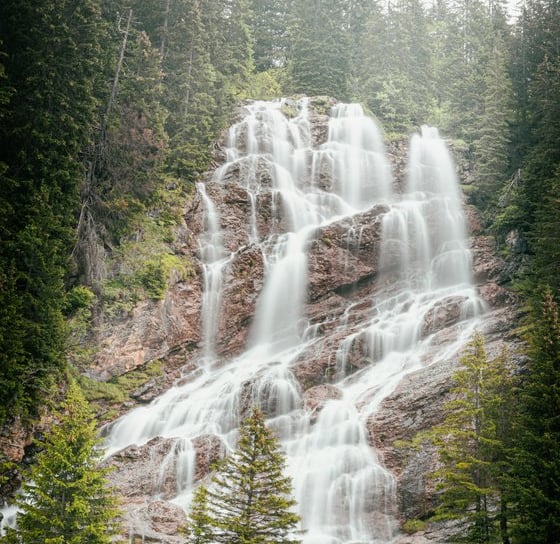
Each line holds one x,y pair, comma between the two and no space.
344,267
343,264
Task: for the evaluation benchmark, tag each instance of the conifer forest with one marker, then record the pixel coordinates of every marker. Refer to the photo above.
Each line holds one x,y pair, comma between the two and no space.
279,271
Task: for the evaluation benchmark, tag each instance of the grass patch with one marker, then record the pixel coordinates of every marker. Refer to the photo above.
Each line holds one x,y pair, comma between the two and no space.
118,389
470,189
95,391
411,526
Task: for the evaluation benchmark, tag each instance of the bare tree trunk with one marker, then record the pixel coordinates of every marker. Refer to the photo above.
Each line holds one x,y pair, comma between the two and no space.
119,65
188,96
165,28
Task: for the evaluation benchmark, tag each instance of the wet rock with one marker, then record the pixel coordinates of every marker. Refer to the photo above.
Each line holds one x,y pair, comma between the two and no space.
497,296
474,222
345,253
320,130
209,449
399,421
155,522
152,331
243,283
143,471
316,366
445,313
316,397
151,469
397,151
486,264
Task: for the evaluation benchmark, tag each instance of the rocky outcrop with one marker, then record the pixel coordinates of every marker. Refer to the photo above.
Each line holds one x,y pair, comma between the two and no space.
344,278
316,397
417,405
146,476
140,472
154,330
156,522
243,282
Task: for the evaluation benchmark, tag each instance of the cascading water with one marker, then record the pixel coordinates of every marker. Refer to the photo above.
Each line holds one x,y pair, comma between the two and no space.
343,492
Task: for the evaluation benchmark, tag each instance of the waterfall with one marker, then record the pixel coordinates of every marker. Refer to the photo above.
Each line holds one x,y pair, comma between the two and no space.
344,493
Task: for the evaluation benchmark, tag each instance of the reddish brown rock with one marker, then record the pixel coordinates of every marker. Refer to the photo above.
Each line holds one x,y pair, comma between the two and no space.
156,522
143,471
315,397
486,264
152,331
243,283
209,449
497,296
151,469
474,223
445,313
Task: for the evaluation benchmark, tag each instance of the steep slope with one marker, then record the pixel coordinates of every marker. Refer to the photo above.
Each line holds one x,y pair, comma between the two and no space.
332,294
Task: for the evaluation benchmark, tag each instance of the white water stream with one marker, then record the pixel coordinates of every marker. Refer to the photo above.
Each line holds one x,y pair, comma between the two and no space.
344,494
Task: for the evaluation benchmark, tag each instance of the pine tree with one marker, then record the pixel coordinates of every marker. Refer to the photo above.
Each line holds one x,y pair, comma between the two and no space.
536,475
491,148
66,499
473,443
52,71
249,499
319,56
269,23
199,530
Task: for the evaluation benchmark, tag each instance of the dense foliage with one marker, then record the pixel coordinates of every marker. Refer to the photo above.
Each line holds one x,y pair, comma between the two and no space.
66,498
474,443
51,61
249,500
535,479
108,111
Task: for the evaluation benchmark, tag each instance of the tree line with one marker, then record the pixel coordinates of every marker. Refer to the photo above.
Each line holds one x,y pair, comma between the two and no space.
108,107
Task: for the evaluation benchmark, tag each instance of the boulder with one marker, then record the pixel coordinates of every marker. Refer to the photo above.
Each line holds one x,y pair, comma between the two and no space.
445,313
151,469
209,449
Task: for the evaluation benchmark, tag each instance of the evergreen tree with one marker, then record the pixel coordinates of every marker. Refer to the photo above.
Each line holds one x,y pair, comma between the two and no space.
199,530
269,24
473,443
65,498
123,164
401,93
319,55
491,150
470,40
536,475
249,500
52,70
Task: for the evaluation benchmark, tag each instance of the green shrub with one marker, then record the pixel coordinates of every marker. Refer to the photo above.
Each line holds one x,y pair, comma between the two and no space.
155,274
79,297
411,526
